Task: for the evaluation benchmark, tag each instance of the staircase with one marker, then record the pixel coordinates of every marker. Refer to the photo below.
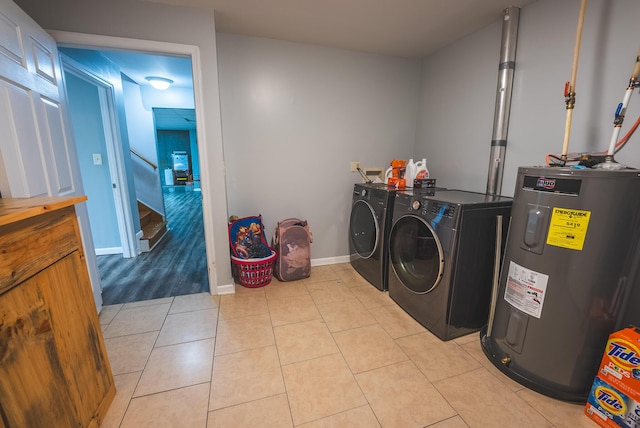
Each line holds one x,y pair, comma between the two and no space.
154,227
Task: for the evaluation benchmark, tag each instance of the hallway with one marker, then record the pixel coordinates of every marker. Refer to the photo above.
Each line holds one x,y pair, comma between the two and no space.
176,266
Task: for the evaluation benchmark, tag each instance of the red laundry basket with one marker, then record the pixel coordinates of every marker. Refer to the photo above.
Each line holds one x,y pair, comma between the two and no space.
254,273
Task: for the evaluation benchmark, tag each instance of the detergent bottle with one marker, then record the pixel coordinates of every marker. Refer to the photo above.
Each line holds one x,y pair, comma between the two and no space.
410,173
421,169
388,173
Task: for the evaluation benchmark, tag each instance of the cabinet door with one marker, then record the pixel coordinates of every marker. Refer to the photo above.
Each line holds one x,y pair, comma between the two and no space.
33,386
78,336
54,370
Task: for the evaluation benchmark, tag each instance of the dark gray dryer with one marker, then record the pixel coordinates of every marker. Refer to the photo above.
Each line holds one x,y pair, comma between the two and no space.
369,223
442,256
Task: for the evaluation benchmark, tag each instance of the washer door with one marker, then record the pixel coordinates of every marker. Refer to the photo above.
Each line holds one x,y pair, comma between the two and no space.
364,230
416,254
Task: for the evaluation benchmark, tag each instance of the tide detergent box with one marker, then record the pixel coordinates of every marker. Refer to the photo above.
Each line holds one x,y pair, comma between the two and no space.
609,407
620,364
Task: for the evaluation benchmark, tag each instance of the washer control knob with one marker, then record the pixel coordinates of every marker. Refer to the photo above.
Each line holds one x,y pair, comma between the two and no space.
415,205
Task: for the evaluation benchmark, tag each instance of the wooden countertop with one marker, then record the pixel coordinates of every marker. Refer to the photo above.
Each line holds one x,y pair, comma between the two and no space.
16,209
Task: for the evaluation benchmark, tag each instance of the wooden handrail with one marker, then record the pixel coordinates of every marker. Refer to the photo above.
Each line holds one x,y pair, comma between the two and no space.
153,165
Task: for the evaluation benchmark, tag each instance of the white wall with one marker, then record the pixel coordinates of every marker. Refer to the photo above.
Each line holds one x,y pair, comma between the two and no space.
142,138
459,84
85,112
295,115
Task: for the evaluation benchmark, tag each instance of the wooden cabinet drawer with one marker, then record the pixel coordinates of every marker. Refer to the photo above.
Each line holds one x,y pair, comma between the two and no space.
30,245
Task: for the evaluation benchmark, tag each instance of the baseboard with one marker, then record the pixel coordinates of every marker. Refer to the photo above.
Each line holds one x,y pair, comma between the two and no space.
225,289
330,261
107,251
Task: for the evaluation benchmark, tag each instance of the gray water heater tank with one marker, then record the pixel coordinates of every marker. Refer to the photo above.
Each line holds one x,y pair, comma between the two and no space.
567,275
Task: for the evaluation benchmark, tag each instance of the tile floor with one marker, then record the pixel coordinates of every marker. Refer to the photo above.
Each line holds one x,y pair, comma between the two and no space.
327,351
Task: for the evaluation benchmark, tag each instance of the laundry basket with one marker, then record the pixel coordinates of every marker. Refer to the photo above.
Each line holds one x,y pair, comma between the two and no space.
252,267
254,273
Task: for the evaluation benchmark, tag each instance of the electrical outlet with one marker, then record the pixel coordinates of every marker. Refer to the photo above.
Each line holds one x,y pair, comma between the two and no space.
355,166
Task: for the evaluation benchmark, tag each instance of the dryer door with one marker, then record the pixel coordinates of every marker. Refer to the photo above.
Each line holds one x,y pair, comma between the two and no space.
416,254
364,230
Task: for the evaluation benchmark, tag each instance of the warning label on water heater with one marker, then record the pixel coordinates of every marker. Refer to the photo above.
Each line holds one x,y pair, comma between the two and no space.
568,228
526,289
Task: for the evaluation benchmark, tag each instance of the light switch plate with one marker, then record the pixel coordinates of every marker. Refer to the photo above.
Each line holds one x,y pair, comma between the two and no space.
97,159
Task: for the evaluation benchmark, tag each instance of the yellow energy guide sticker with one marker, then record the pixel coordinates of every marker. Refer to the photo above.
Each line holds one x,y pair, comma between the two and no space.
568,228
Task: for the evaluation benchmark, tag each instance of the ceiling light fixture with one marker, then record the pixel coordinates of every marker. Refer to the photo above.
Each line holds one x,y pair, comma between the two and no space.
159,83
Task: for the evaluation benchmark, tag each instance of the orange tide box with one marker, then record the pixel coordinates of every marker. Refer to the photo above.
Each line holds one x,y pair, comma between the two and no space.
620,365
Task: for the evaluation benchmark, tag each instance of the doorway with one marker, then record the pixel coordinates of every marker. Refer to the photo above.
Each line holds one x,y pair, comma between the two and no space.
169,269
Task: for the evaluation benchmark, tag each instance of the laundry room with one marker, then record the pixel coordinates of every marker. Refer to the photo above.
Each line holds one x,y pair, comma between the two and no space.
287,124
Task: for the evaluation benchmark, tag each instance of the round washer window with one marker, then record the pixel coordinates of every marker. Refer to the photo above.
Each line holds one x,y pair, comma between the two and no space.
416,254
364,230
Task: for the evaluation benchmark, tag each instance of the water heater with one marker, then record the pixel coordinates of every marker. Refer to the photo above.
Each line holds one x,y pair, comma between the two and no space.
566,276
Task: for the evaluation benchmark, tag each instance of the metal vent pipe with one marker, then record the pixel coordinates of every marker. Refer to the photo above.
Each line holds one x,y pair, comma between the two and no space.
510,17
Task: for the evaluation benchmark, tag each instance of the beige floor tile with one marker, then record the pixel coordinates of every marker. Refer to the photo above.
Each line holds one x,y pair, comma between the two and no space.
243,303
125,385
321,274
185,407
139,319
454,422
292,310
396,321
371,297
321,387
471,337
245,376
284,290
475,350
342,267
271,412
367,348
177,366
435,358
241,334
402,397
304,341
328,291
345,314
130,353
560,413
151,302
107,313
360,417
481,400
188,326
354,279
194,302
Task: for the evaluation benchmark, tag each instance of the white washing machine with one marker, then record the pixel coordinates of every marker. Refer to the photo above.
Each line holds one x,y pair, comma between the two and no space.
442,257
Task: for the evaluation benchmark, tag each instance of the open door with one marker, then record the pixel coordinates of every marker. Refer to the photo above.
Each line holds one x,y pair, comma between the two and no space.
37,150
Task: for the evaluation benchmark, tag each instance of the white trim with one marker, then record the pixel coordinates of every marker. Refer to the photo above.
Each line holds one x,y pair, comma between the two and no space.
226,289
330,261
107,251
83,40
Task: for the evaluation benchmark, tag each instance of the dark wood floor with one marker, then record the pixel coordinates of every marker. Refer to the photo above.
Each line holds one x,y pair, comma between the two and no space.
176,266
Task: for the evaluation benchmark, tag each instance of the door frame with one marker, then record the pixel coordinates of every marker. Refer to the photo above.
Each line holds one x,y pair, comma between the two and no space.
81,40
106,95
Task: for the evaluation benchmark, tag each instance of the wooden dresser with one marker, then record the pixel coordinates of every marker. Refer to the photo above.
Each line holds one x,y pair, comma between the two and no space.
54,370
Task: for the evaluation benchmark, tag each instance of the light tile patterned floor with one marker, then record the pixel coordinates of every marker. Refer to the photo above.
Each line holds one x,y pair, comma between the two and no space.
327,351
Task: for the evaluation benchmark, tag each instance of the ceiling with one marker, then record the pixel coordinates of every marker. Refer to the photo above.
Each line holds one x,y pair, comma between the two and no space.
407,28
403,28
